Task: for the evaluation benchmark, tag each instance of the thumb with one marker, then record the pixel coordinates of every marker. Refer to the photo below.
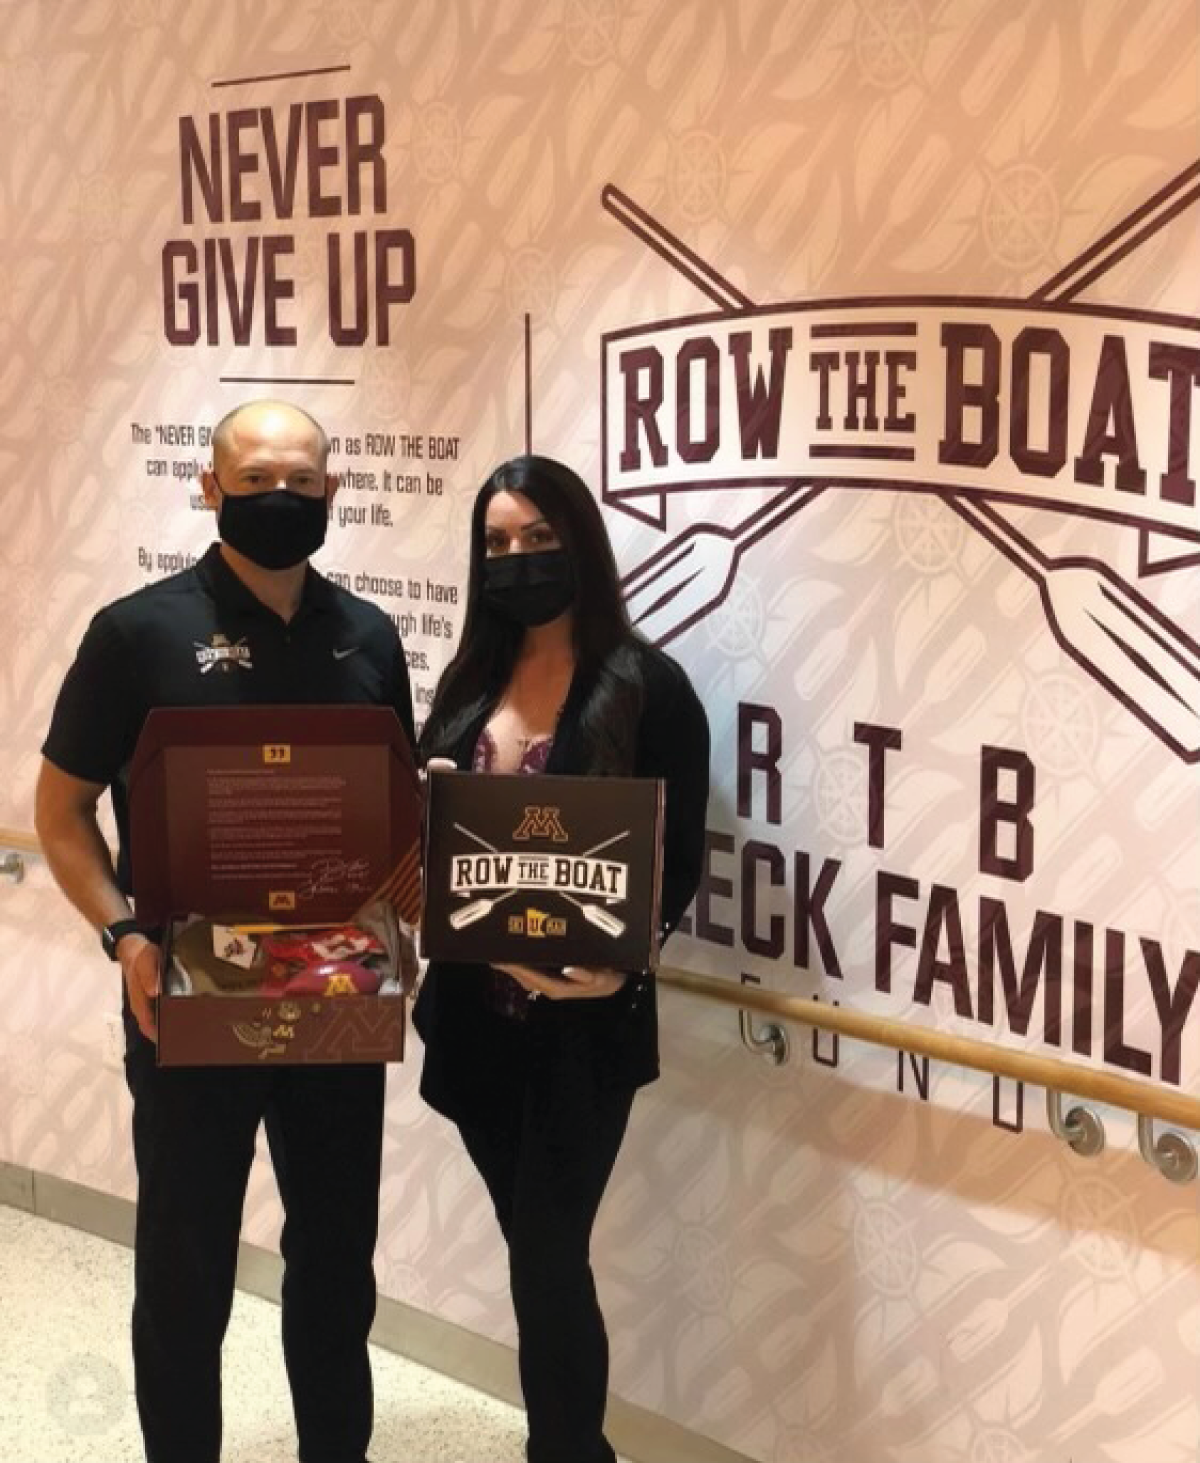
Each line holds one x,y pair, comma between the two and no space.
579,974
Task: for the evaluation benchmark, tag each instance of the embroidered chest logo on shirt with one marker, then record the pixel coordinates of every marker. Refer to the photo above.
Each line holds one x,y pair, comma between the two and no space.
223,654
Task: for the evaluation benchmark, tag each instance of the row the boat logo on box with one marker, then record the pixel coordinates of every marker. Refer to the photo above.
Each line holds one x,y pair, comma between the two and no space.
487,875
564,869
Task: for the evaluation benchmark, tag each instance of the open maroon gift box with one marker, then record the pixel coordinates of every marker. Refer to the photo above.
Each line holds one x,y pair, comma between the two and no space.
279,850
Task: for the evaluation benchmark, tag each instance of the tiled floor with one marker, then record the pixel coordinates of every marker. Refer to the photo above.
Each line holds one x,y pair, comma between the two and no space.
66,1381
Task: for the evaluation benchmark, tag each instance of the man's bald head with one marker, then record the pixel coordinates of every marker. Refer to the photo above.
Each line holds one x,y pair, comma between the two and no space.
267,421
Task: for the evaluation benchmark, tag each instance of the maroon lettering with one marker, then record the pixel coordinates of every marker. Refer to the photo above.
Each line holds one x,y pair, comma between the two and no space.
713,886
920,1072
242,162
1110,428
860,390
1042,963
1040,461
241,310
1116,1049
888,931
364,153
824,363
1010,1125
760,405
322,158
354,332
642,410
755,853
765,761
1180,365
276,289
282,172
980,395
943,927
181,297
897,390
194,164
1082,967
1013,813
878,740
701,351
395,276
1172,1007
808,914
832,1056
212,330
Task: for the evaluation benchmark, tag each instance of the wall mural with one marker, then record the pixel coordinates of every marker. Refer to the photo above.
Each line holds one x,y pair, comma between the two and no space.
874,324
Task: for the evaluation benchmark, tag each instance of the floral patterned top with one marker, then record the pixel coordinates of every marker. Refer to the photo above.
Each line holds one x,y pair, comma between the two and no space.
507,996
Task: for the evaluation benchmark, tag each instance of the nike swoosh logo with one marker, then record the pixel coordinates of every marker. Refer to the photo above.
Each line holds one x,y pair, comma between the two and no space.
342,654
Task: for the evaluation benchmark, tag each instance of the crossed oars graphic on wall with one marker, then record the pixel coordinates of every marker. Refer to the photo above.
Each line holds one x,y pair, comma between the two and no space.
1123,641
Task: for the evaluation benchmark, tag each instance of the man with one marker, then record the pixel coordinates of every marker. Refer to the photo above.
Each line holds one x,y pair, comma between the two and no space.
251,623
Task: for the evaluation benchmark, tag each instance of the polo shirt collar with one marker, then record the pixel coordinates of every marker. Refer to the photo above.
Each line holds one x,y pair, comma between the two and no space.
224,586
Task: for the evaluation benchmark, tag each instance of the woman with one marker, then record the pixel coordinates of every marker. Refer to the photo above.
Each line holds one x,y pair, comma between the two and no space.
539,1069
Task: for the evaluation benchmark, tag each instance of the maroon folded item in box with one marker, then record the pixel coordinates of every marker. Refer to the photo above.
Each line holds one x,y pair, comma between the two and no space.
339,942
326,978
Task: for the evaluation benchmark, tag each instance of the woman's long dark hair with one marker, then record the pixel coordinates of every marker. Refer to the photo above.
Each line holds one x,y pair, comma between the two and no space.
606,658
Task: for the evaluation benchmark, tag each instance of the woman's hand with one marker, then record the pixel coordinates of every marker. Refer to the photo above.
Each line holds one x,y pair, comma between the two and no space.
577,982
436,764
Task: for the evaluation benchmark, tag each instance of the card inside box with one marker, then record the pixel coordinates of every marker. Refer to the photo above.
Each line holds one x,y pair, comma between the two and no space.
278,847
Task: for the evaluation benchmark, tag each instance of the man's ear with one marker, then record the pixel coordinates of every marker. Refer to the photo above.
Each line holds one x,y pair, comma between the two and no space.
332,483
208,486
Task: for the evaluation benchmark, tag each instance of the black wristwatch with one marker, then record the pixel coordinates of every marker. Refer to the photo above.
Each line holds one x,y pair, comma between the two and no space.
111,935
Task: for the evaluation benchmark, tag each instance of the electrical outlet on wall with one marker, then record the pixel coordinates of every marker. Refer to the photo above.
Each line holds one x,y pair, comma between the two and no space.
113,1041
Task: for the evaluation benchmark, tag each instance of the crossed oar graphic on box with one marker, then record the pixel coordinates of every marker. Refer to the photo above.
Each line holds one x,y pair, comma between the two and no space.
1100,620
593,913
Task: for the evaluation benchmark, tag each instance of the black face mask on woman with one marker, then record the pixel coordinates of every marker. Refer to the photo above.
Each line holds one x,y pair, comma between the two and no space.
530,588
275,530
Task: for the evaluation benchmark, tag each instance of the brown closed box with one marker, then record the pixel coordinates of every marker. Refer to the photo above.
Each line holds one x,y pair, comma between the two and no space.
295,817
543,870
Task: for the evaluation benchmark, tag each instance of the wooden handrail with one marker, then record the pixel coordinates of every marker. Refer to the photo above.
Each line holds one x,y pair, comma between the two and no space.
16,838
961,1051
922,1041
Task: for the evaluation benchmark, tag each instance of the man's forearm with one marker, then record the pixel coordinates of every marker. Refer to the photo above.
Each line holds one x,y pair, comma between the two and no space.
81,864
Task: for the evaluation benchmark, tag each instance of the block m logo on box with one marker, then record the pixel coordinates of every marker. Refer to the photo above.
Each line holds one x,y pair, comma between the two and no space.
541,823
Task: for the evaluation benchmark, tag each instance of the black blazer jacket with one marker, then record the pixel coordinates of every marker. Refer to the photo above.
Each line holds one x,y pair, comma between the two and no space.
471,1049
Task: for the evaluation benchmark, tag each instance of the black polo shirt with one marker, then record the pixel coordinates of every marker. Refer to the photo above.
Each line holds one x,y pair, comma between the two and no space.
200,638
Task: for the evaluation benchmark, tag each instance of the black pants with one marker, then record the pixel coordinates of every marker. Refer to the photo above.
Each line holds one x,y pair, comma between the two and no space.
194,1133
546,1155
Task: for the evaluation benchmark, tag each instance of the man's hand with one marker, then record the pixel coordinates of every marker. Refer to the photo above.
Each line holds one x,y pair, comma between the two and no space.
141,965
577,982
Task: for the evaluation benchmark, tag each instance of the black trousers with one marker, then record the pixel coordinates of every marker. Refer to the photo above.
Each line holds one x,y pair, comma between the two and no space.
545,1151
194,1133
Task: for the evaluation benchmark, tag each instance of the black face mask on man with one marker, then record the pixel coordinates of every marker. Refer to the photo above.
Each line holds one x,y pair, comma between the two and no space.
530,588
275,530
